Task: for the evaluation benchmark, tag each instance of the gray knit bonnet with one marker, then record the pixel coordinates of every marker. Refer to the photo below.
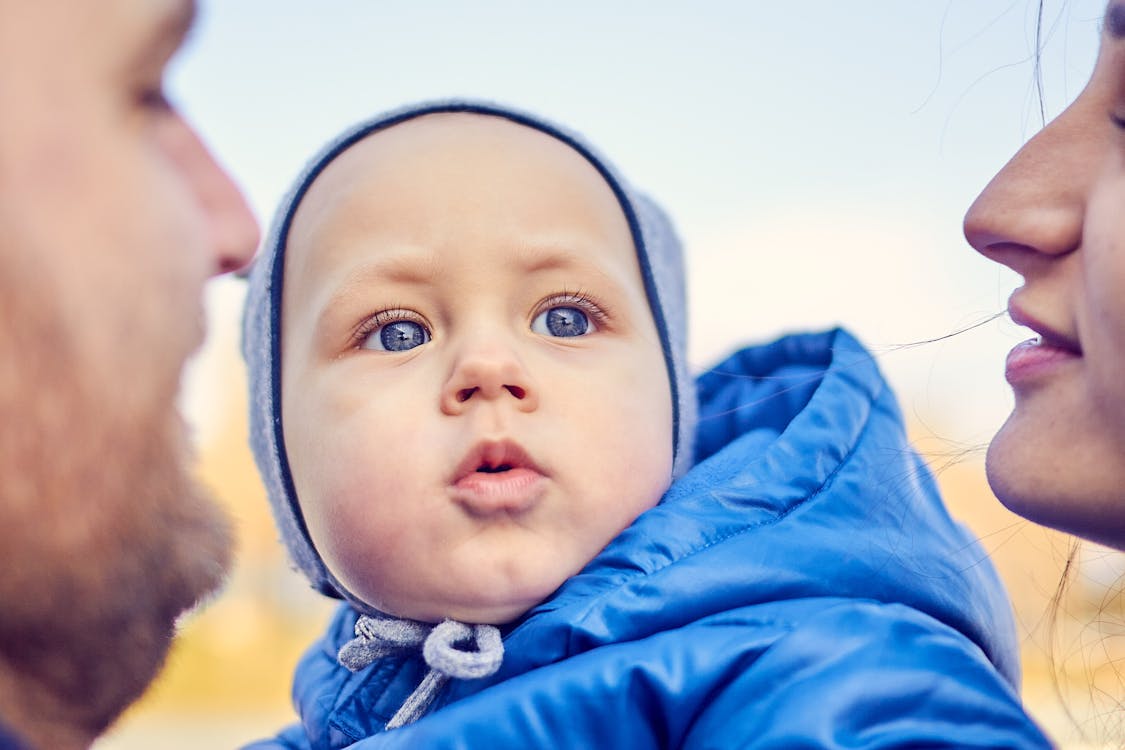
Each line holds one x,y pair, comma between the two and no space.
658,252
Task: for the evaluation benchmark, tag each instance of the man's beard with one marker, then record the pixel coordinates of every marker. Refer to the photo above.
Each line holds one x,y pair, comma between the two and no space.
107,539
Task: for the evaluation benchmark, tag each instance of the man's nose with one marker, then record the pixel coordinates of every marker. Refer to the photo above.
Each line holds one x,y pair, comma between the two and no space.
233,230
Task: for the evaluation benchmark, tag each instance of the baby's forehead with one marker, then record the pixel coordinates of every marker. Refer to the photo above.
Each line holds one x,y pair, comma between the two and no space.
441,160
455,133
452,143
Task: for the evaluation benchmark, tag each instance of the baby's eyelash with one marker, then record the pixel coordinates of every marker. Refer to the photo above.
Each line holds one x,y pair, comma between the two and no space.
374,322
598,312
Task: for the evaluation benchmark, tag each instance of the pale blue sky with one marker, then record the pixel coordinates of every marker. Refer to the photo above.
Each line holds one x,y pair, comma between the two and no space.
816,156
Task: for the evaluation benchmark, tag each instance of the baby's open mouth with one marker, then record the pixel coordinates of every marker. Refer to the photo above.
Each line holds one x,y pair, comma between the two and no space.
486,469
493,457
497,477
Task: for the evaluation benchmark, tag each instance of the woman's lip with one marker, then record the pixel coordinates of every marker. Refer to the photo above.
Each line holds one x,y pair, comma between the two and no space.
1036,358
1049,336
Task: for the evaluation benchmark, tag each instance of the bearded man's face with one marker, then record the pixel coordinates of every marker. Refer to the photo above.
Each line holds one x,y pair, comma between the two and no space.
112,217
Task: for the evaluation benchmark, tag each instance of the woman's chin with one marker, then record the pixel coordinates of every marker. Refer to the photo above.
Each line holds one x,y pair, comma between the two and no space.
1042,484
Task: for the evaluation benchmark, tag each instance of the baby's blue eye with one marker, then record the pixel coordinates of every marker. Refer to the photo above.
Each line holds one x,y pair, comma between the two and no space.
396,336
561,321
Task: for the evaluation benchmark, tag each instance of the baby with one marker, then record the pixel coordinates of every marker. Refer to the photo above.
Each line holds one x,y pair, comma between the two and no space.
472,410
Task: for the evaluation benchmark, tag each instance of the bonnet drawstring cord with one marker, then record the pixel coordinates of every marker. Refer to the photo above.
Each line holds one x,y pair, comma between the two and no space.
451,649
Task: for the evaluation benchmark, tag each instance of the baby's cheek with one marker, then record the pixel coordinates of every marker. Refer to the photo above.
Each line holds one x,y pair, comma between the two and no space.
370,519
354,510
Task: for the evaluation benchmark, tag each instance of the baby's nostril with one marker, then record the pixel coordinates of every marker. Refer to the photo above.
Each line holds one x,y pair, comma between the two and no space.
516,391
465,394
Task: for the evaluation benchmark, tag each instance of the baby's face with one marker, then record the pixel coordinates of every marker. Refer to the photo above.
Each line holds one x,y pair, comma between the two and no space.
475,400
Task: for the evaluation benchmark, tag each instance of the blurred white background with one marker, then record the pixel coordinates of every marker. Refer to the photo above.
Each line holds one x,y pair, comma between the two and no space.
817,157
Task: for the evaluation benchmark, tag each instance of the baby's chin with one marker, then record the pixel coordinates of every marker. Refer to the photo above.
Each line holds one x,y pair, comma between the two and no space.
479,610
470,592
478,613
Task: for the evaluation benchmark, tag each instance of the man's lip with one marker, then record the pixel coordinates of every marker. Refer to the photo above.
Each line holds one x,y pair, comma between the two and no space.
1047,334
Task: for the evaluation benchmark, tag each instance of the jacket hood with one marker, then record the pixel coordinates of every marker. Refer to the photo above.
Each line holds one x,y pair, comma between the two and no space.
658,252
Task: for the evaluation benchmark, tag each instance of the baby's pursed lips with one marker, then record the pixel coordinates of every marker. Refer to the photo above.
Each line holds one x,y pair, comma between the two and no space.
494,457
497,480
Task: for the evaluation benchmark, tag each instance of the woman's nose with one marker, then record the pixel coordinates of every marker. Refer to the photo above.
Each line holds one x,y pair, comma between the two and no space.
488,371
1034,208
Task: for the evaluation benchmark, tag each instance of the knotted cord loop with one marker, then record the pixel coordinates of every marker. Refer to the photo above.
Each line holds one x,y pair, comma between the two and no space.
450,649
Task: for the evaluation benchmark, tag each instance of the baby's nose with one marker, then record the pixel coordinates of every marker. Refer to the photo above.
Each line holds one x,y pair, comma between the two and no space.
488,373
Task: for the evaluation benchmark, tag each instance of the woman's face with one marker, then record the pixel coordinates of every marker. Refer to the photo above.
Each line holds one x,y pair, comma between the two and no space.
1055,214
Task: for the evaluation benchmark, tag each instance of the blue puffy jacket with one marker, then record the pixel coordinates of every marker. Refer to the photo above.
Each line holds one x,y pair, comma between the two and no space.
801,587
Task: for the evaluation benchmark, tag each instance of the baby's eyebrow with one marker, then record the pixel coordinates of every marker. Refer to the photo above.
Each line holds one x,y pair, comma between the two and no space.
535,260
397,268
562,254
400,269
